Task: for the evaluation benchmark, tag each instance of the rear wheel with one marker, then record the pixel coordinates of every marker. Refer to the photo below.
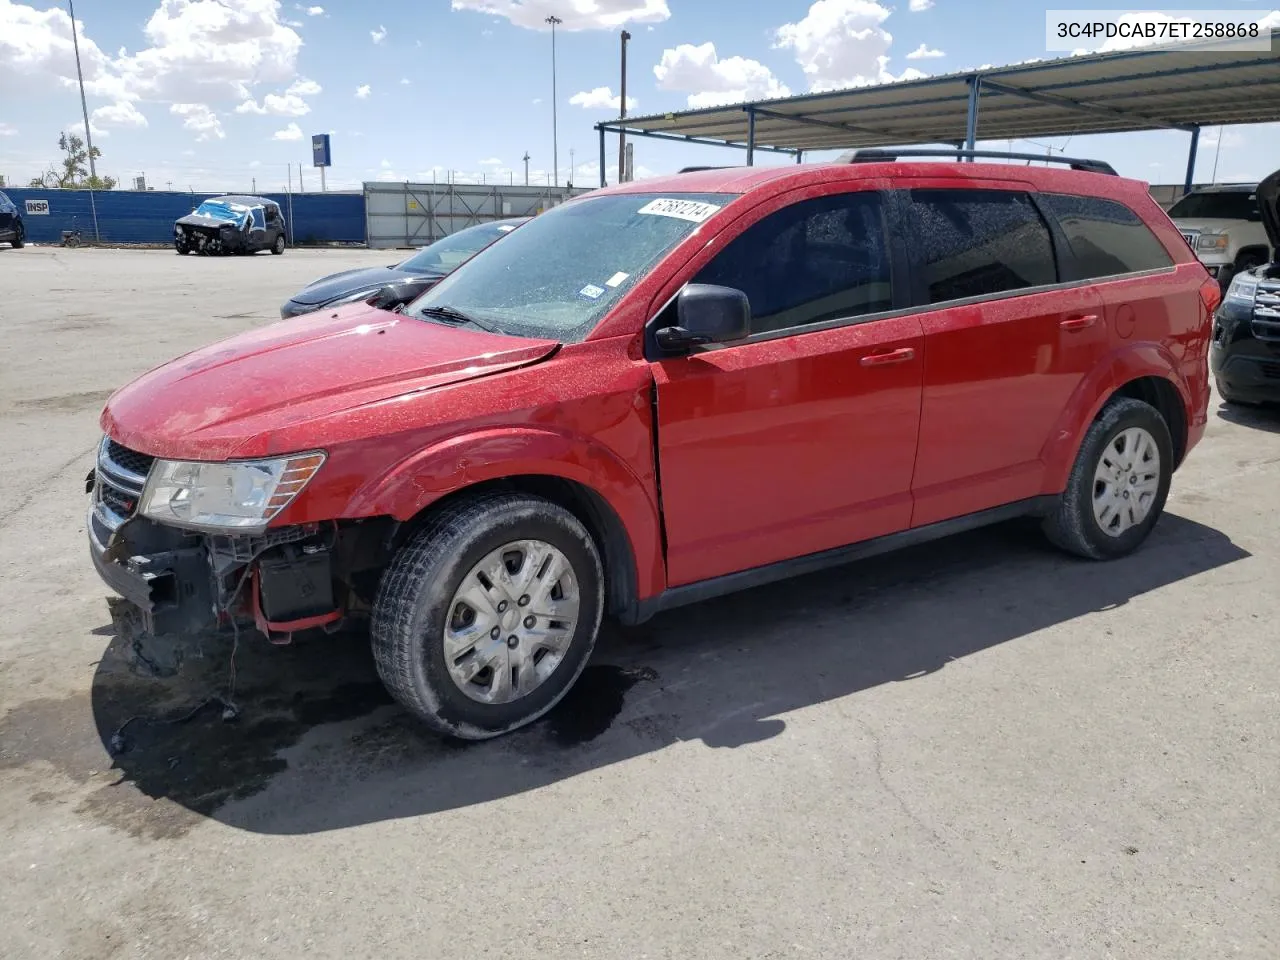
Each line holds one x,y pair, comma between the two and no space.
278,247
1118,485
19,237
487,616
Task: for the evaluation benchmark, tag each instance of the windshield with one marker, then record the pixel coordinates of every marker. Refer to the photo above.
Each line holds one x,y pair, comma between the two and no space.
559,274
222,210
448,253
1216,206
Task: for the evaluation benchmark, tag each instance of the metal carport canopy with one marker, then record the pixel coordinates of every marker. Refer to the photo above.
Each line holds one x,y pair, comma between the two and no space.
1182,87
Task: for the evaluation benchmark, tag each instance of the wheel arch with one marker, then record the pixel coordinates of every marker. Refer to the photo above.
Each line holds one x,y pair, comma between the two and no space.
1144,372
617,553
1260,249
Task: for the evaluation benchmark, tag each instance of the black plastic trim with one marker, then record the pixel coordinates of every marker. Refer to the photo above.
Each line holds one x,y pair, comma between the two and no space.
811,563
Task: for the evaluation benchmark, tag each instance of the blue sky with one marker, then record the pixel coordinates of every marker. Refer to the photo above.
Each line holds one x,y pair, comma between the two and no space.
220,94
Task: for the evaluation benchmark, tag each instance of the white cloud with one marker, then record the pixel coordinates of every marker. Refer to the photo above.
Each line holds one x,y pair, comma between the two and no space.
378,35
405,81
601,98
920,6
304,88
36,45
491,162
315,11
251,106
362,91
840,43
291,132
536,101
710,81
386,164
198,118
8,131
924,52
577,15
122,114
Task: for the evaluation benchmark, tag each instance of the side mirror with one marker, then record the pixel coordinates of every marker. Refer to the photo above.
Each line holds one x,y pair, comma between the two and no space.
706,314
395,295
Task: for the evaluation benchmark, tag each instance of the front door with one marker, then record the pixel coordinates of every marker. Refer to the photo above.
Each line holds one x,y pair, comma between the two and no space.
1006,345
802,437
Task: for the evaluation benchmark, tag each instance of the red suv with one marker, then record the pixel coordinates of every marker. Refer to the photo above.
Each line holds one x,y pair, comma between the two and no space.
658,393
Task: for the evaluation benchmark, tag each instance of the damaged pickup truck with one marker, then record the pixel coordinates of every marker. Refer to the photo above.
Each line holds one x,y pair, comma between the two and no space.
658,393
231,224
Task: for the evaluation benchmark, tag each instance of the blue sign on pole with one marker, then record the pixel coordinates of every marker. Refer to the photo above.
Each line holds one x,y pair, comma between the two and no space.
320,156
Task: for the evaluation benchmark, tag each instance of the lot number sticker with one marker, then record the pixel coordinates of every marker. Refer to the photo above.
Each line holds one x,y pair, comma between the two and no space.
37,208
692,210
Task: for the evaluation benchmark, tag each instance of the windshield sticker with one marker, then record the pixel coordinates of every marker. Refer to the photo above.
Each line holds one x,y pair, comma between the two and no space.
616,279
692,210
591,292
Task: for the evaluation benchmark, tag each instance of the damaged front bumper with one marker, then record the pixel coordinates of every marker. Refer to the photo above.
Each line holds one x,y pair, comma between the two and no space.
179,582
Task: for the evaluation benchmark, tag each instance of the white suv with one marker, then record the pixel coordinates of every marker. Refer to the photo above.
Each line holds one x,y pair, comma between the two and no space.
1224,227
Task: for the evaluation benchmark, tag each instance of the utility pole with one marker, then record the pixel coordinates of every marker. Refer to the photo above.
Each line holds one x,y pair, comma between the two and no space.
622,112
84,108
569,181
255,185
525,158
555,147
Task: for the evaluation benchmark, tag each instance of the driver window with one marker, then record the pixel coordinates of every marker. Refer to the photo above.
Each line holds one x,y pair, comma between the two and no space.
814,261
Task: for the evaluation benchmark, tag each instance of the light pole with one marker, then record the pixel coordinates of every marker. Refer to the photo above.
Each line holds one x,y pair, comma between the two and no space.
88,137
555,149
525,158
622,112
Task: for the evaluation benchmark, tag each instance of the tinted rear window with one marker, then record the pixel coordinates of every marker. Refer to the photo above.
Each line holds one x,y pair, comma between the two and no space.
1227,205
1106,237
980,242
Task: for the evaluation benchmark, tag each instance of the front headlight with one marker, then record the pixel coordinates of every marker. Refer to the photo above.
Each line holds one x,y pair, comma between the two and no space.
235,497
1243,288
1212,241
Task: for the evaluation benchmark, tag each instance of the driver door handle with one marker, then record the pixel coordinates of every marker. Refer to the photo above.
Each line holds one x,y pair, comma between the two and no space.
901,355
1082,322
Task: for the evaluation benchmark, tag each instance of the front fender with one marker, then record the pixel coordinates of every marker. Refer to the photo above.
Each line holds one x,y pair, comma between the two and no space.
498,453
1123,366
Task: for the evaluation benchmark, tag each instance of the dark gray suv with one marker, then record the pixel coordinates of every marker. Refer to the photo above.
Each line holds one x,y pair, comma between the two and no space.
11,228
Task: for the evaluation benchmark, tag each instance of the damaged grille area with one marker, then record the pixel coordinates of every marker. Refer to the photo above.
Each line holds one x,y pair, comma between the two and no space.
120,477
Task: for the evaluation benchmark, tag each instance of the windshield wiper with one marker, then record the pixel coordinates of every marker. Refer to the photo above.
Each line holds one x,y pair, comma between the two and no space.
452,315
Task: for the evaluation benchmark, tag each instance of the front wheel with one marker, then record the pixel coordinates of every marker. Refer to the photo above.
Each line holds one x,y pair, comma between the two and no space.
278,247
19,237
487,616
1118,485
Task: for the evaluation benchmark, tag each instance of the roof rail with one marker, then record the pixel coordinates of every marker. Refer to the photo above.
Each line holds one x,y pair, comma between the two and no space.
700,169
877,156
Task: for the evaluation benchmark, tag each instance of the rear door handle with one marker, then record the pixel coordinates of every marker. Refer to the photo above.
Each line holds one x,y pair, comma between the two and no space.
1084,322
901,355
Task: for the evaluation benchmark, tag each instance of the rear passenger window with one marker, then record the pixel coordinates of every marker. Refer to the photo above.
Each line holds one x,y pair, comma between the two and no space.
1106,237
816,260
977,243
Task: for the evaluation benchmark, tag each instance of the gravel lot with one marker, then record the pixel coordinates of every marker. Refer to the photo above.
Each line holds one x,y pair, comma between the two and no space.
977,748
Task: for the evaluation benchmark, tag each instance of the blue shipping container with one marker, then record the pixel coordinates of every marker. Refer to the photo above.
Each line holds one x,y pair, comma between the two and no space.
132,216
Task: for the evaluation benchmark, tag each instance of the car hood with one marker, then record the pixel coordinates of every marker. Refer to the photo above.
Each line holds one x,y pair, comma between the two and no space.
225,400
1269,204
203,220
349,281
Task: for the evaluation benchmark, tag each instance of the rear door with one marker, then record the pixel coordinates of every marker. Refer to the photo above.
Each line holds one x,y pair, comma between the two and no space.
1006,344
8,213
802,437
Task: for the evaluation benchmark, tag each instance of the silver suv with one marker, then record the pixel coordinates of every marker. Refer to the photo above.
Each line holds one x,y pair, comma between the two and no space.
1224,227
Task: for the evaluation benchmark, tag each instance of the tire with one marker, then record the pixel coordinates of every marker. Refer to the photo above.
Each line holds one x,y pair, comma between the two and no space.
182,249
1074,525
277,248
19,237
419,600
